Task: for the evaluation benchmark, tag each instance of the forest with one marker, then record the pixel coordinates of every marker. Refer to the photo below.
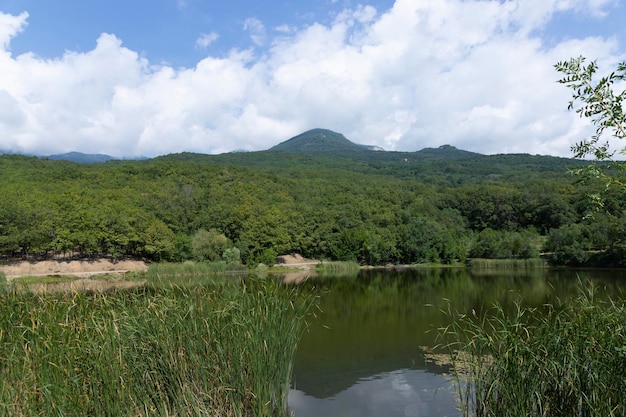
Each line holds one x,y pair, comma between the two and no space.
326,202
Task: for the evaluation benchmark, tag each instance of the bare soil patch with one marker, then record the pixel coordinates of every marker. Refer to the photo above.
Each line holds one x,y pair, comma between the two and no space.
295,260
82,268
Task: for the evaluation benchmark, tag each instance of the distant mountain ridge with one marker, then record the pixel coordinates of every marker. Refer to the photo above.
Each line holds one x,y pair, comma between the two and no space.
448,152
314,142
83,158
78,157
326,142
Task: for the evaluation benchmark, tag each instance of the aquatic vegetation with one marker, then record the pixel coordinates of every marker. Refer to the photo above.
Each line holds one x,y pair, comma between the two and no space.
567,359
337,266
507,263
222,349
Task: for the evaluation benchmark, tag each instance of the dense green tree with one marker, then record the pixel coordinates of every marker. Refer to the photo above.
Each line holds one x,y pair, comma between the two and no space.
502,244
209,245
232,256
159,241
568,245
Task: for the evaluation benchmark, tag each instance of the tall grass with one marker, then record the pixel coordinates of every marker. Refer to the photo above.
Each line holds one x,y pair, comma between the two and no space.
566,360
337,266
225,349
507,263
191,272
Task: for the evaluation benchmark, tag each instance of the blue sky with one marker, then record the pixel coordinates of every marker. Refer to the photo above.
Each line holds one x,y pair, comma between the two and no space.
163,30
141,77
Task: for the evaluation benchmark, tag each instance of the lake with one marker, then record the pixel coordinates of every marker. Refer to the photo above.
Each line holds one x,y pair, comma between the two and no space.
363,352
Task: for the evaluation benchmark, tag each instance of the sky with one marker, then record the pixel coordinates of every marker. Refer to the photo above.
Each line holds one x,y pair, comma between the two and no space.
133,78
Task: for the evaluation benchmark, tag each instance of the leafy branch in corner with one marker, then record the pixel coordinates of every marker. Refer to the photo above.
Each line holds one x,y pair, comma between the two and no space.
598,101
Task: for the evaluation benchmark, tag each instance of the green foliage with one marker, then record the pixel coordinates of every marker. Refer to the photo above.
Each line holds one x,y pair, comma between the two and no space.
160,241
266,257
504,244
232,256
569,245
598,101
386,207
209,245
566,360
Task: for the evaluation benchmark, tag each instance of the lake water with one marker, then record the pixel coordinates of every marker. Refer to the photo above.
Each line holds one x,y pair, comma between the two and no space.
363,352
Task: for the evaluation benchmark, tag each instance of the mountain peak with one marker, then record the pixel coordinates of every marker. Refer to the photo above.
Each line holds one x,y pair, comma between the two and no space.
320,142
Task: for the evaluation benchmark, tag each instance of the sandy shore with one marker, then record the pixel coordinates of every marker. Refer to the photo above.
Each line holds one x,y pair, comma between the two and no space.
81,268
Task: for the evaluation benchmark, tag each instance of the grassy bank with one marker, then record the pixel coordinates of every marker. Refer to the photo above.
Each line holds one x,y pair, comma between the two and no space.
219,349
507,263
191,271
337,267
567,360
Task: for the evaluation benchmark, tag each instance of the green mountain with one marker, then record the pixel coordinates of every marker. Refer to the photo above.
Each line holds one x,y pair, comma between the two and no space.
447,152
321,149
328,143
81,157
321,142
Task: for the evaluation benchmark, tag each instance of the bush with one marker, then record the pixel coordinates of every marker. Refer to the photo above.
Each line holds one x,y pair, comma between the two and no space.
208,245
232,256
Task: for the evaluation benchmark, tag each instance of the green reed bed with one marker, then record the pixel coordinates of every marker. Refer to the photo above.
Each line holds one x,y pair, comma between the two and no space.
566,360
223,349
507,263
337,266
190,271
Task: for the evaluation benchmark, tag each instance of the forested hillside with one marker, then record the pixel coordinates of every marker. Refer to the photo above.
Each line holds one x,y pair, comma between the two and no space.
437,205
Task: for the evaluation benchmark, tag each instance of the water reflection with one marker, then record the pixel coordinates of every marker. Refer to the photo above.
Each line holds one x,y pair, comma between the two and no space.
361,354
404,392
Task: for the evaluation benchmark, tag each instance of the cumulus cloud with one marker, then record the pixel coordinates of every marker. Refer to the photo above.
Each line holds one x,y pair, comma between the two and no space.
10,26
474,74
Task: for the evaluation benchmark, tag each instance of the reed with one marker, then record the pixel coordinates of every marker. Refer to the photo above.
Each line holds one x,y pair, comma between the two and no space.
564,360
337,266
223,349
530,263
190,272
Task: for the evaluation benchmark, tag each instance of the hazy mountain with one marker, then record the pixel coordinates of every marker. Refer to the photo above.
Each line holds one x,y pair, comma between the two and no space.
324,146
447,152
81,157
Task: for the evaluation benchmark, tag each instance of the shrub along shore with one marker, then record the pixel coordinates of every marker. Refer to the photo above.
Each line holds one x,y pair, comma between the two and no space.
562,360
225,348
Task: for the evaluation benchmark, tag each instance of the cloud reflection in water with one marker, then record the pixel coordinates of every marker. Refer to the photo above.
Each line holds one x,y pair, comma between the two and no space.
401,393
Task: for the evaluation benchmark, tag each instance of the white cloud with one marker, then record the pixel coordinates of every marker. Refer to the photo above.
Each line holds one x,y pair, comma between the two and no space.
206,39
256,29
10,26
469,73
